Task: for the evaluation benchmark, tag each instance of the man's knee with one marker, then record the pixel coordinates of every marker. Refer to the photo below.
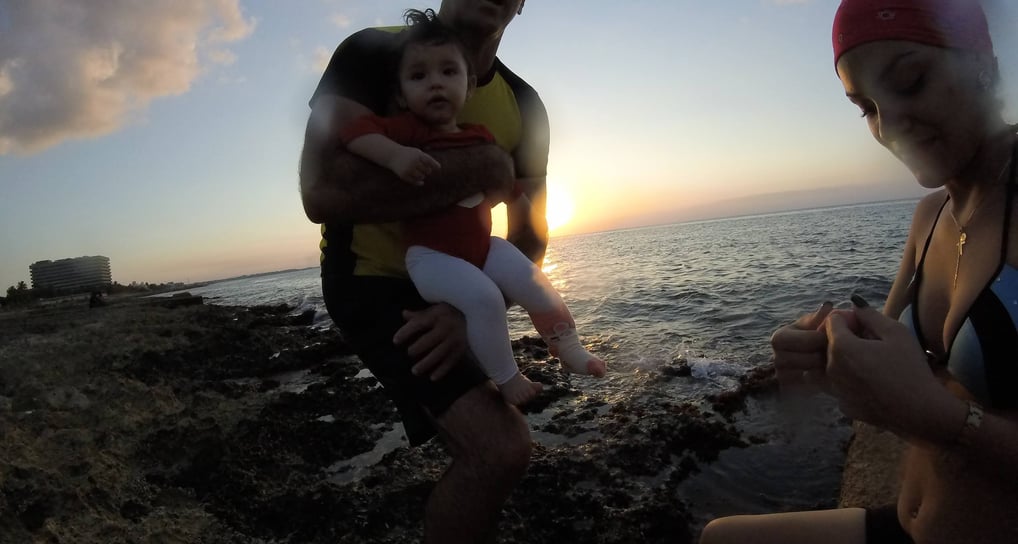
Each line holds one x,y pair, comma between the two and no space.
480,428
508,445
518,445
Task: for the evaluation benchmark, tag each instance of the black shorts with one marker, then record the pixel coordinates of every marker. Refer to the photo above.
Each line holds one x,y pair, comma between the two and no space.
883,527
368,311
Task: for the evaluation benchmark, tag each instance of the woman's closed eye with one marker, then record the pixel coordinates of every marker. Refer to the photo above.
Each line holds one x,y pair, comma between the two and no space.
866,108
909,86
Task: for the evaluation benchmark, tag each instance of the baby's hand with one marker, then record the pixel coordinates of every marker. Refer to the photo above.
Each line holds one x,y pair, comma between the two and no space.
412,165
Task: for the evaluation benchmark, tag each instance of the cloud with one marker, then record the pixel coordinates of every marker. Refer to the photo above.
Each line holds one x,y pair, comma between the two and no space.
320,59
80,68
6,86
341,20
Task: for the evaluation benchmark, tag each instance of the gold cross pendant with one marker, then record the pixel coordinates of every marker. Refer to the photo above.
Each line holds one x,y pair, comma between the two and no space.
957,262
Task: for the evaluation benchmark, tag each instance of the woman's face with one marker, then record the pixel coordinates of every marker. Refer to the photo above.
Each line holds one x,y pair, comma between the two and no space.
922,103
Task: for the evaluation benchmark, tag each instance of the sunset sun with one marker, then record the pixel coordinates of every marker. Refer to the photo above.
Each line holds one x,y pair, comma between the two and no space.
560,207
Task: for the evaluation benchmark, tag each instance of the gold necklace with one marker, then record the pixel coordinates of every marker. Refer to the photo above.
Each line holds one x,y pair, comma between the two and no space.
962,235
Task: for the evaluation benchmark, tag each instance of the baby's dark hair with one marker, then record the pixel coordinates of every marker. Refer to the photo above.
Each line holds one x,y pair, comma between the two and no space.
424,28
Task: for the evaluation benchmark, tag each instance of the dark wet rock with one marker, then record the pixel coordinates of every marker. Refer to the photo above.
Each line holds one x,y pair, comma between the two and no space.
267,385
279,315
676,369
178,300
304,319
531,347
134,510
269,309
759,380
556,382
66,398
207,425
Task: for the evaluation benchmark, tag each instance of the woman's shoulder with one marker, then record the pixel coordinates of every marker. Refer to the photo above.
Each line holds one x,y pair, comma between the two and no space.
932,201
928,208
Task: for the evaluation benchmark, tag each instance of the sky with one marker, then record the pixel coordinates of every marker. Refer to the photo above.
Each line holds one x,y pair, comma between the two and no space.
166,134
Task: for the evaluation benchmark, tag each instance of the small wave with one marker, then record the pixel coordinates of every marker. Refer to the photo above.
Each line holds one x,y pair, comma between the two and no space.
712,368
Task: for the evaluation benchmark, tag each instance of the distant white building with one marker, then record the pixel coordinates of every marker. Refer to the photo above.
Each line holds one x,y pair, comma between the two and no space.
72,275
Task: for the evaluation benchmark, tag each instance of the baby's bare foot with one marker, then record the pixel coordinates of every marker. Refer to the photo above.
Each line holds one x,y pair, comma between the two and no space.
596,367
578,360
519,390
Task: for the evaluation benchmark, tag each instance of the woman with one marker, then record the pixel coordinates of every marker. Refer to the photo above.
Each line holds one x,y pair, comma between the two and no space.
939,367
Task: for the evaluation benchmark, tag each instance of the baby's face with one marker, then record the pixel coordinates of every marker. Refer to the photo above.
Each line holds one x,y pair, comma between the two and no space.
434,82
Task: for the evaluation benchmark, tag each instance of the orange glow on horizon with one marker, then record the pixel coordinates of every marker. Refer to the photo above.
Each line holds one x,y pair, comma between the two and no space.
561,207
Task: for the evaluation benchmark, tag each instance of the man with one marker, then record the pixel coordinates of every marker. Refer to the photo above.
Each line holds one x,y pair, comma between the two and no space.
417,351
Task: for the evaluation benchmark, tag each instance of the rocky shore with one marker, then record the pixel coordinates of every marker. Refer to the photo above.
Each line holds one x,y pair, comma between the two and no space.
872,469
145,421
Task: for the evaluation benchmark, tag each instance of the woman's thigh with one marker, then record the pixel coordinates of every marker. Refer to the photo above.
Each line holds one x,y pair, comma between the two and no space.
840,526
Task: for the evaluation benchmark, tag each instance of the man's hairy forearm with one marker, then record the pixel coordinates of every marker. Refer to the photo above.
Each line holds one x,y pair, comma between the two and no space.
346,188
528,228
531,243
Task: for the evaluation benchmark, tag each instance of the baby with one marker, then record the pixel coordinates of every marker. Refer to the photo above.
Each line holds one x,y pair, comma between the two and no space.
451,255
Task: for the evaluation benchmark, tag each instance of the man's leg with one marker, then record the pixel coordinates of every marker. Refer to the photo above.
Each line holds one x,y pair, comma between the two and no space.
490,446
489,441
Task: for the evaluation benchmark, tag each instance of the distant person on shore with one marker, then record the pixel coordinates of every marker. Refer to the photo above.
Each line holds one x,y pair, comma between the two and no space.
415,349
451,256
939,366
96,299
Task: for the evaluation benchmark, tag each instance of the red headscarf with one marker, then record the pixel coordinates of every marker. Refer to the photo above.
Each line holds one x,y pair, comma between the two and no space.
959,24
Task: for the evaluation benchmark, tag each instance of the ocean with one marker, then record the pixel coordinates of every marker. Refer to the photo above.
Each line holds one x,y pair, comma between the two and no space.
711,292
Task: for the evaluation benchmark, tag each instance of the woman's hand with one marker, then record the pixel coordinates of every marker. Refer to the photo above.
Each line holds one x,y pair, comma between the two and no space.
879,374
437,336
800,352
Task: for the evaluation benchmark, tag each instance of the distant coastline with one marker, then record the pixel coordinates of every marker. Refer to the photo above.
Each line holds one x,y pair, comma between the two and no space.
801,210
248,276
747,215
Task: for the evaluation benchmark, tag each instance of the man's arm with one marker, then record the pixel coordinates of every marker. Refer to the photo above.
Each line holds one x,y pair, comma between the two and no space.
528,229
411,164
337,186
527,225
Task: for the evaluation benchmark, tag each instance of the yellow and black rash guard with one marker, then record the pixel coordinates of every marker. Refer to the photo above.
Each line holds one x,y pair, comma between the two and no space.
363,69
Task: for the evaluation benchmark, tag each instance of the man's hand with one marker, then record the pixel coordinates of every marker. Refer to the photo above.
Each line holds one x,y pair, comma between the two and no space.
437,337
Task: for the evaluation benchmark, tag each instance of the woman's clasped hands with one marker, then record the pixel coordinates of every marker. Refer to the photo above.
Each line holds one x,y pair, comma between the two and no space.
870,363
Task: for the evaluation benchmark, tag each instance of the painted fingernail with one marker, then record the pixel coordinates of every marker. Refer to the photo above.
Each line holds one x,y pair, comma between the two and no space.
825,304
859,301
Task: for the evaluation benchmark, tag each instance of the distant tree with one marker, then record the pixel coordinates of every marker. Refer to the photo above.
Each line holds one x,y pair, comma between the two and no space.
19,295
